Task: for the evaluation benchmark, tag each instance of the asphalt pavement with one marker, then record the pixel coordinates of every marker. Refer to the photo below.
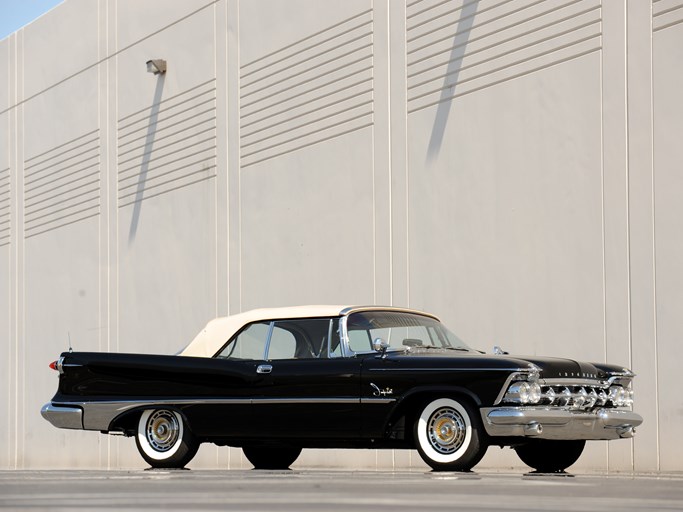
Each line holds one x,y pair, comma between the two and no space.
328,490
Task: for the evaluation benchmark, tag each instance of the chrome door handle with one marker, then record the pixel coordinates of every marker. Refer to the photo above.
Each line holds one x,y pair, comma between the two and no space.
264,368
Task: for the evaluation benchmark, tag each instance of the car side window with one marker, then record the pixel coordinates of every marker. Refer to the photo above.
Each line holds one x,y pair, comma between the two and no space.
334,348
305,338
359,341
282,344
250,343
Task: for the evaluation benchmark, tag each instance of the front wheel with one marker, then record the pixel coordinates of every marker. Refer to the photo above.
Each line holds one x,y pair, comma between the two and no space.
550,456
271,457
449,436
164,440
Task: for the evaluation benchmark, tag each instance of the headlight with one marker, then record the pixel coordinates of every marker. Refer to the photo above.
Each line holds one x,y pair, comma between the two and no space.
524,393
534,392
518,393
620,396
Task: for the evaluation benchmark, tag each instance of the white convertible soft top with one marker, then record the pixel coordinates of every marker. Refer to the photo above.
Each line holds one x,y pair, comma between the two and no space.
218,331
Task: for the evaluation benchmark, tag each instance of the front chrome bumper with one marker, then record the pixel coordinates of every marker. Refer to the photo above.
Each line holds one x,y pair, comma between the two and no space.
557,423
63,416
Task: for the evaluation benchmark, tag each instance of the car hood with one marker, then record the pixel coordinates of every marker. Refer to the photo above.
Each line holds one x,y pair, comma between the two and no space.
550,367
555,367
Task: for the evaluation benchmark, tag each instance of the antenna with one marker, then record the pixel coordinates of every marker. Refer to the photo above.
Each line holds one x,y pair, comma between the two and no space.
69,335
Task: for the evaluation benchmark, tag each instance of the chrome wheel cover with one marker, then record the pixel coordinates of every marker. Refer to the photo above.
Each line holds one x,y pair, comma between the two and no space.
446,430
162,430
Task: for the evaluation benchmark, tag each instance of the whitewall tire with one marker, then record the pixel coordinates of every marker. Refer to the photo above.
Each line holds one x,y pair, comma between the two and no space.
448,435
164,440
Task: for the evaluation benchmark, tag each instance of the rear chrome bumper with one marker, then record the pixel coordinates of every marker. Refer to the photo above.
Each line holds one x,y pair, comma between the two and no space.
63,416
556,423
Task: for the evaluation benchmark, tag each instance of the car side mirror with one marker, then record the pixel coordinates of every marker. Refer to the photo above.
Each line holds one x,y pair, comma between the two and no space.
380,345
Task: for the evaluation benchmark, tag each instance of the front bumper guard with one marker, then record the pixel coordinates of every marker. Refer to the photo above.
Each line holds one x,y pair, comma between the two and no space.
558,423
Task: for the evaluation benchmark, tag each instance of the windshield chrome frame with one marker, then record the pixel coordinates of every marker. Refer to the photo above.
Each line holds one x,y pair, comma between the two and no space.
346,345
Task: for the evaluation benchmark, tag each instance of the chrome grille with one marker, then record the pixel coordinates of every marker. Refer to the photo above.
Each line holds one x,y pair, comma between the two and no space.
583,397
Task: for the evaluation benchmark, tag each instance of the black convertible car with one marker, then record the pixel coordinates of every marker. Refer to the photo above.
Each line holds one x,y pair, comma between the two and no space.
274,381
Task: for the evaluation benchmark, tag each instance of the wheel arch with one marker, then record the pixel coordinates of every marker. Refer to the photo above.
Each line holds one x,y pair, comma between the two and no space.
127,421
408,406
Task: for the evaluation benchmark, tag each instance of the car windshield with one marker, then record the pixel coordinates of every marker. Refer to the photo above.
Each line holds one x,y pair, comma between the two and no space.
401,330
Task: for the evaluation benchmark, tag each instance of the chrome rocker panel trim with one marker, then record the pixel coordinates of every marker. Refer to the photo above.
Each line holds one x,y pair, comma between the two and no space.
63,416
558,423
98,415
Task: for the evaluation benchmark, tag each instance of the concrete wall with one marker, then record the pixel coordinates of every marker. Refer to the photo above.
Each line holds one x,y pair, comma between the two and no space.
510,166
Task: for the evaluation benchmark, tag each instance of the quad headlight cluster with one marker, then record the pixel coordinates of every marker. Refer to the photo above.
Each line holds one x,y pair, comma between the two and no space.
524,393
620,396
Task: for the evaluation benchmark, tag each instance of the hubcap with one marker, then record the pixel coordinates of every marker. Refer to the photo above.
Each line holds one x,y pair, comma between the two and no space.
162,430
446,430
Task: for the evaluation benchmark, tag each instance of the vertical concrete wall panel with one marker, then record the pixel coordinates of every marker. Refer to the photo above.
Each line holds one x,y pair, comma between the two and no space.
136,21
512,218
60,192
167,271
641,230
59,45
262,31
7,74
5,198
668,184
5,301
5,248
166,167
615,203
10,117
189,64
62,296
308,237
17,267
305,97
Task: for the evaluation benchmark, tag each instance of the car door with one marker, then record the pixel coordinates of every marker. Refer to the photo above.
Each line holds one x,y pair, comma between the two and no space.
233,380
311,391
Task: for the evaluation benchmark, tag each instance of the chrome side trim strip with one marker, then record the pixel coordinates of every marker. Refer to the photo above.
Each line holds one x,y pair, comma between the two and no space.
458,369
377,400
259,401
98,415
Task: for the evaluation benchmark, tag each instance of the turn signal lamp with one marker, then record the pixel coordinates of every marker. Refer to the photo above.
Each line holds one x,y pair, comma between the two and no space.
57,365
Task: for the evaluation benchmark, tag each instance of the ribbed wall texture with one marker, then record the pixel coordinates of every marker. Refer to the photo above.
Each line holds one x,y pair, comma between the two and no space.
62,185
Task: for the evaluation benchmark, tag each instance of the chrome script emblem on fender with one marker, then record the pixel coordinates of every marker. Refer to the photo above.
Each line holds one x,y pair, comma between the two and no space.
381,392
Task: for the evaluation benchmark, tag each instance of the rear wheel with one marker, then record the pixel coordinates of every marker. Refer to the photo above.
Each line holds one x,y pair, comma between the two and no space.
449,436
550,456
271,457
164,440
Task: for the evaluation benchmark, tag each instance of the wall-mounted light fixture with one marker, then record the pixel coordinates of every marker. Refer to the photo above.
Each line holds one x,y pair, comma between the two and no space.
156,66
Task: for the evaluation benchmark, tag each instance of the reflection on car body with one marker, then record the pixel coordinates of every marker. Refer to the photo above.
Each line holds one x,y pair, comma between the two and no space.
274,381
